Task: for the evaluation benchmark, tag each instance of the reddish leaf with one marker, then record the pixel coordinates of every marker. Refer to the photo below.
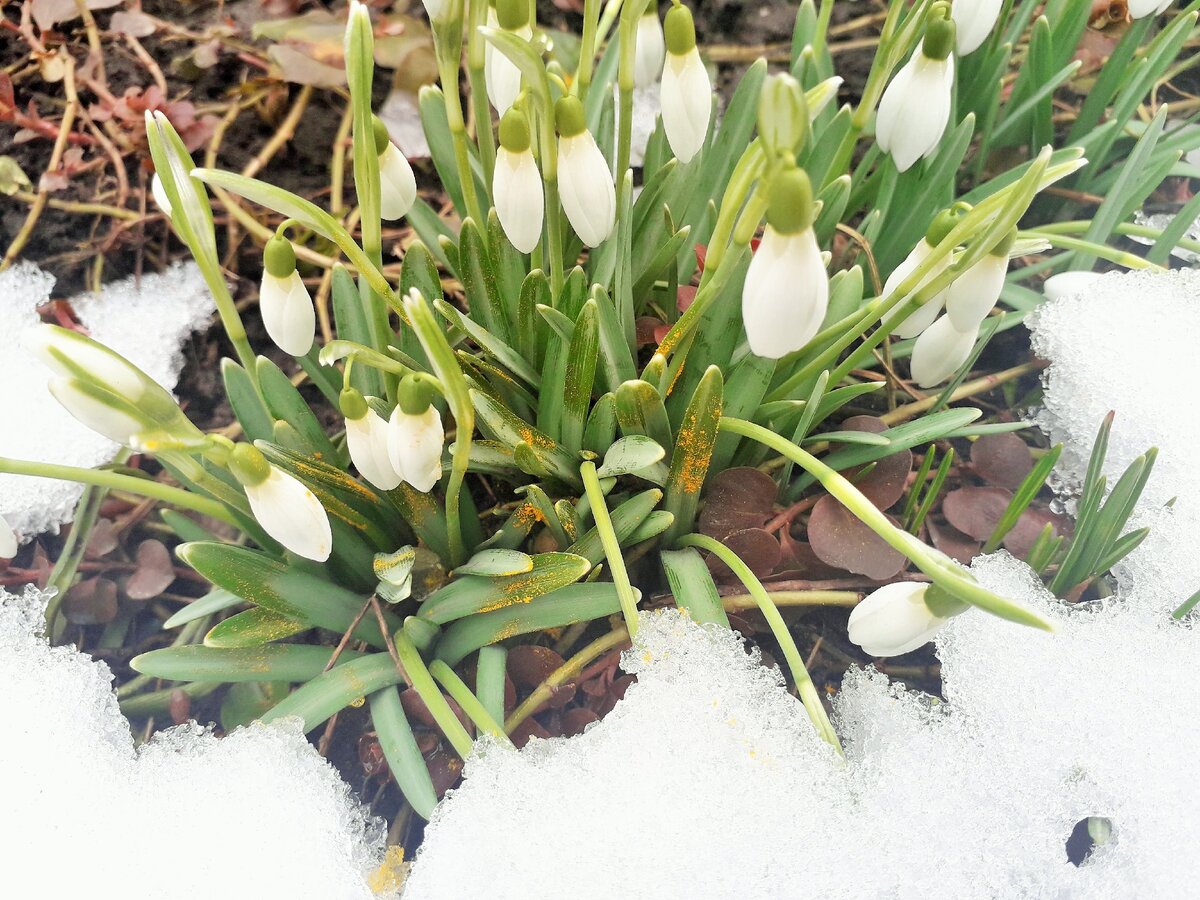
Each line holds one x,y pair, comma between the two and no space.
576,719
757,548
529,665
737,499
1029,527
839,539
953,542
91,602
975,511
884,482
154,572
529,728
1001,459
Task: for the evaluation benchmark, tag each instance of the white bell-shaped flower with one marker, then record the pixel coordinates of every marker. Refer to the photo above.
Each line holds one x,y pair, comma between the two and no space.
686,87
786,294
397,183
1069,284
915,108
1139,9
972,294
517,184
367,441
923,316
283,300
940,351
651,49
501,75
585,182
896,619
283,505
437,10
416,436
98,409
8,540
974,20
160,194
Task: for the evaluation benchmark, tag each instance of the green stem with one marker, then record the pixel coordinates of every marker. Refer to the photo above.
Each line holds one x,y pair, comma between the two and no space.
447,43
484,721
804,683
1120,257
821,36
62,576
476,59
627,34
1126,228
587,48
143,487
422,682
612,546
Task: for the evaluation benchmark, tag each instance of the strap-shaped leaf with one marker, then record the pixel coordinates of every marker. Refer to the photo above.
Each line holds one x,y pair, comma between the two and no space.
253,628
515,432
489,342
478,276
473,594
640,410
273,662
693,586
287,405
581,373
693,452
256,421
215,601
336,689
630,454
400,749
496,563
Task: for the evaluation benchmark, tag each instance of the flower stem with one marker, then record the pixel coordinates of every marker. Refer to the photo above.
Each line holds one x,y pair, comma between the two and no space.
447,42
612,547
462,695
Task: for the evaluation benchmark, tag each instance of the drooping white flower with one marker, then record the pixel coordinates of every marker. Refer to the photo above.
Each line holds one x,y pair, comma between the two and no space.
416,436
923,316
1139,9
915,108
8,540
397,184
1069,284
975,20
585,183
160,194
283,505
972,294
686,87
517,184
501,75
940,351
786,293
283,300
367,441
894,620
783,116
651,49
101,411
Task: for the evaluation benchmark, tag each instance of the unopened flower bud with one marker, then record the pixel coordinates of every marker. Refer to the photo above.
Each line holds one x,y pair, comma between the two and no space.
782,116
686,87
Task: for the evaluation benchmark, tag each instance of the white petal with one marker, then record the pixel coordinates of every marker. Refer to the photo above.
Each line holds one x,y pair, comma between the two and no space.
915,109
973,294
160,195
923,316
289,512
940,351
686,103
586,189
974,20
1139,9
73,355
786,293
502,77
287,312
436,9
520,202
651,50
415,447
109,420
367,440
1069,284
8,540
397,184
893,620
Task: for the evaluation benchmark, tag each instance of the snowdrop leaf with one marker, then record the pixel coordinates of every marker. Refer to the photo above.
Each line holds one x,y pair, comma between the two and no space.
693,451
693,586
496,563
336,689
253,628
582,353
629,455
257,423
271,662
472,594
627,518
494,345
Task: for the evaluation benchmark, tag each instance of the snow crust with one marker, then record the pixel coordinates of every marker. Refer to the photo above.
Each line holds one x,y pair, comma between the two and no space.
144,321
708,781
255,815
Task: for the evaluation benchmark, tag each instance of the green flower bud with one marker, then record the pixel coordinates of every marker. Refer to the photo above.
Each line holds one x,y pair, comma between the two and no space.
248,465
380,134
514,131
570,117
512,14
942,603
943,224
414,395
352,404
1005,244
940,32
782,116
790,210
680,30
279,259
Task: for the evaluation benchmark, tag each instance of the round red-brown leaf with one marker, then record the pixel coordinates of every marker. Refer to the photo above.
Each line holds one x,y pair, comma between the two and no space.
529,665
1029,527
418,713
1002,459
799,561
529,728
953,542
154,572
103,540
757,548
444,768
91,602
975,511
575,720
884,481
737,499
839,539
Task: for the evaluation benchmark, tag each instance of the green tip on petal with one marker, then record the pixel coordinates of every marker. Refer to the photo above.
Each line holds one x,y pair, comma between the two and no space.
279,259
791,206
783,115
414,395
248,465
569,116
514,131
679,29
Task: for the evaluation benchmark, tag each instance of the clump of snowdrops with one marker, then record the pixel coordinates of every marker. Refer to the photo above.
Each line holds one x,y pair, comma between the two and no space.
835,236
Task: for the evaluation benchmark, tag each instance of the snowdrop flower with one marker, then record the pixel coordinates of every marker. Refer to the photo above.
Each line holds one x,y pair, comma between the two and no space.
783,116
102,411
1069,284
973,293
517,184
651,49
8,540
367,441
397,184
585,183
501,74
283,301
160,195
786,293
415,435
437,10
975,20
1139,9
284,506
686,87
940,351
915,108
923,317
74,355
898,618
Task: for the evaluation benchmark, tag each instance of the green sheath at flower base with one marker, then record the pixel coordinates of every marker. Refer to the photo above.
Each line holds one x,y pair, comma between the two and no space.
352,404
570,116
514,131
1005,245
943,223
248,465
782,116
512,14
414,395
279,259
379,134
791,206
680,30
939,33
942,603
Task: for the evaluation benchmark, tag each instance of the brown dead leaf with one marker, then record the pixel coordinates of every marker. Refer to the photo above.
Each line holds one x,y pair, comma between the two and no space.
154,572
840,539
975,511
